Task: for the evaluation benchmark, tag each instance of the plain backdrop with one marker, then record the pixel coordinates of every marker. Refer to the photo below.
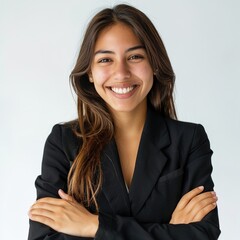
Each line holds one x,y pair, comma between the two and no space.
39,43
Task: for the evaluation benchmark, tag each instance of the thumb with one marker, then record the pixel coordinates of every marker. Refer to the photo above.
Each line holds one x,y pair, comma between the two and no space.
64,195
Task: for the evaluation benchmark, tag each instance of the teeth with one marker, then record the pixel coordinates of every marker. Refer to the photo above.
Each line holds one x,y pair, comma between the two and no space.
122,90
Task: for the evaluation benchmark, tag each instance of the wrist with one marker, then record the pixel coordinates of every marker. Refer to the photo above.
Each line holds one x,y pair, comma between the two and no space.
94,225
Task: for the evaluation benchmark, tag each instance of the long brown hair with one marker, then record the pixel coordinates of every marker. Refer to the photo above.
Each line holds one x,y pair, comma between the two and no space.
95,124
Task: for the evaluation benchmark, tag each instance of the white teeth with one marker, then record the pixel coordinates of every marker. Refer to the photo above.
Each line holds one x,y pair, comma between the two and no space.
122,90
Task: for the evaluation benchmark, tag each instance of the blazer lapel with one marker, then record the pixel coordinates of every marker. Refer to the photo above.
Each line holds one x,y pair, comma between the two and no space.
150,160
113,182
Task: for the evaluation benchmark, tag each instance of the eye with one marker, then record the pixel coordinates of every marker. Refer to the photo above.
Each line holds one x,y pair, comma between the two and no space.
136,57
104,60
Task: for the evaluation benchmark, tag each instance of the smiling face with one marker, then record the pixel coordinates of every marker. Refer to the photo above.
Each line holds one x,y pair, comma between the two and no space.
120,70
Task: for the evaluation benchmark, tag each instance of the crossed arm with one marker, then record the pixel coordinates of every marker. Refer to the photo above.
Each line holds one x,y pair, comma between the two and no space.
67,216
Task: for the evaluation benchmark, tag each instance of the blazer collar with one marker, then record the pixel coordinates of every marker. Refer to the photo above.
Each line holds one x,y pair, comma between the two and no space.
149,165
150,159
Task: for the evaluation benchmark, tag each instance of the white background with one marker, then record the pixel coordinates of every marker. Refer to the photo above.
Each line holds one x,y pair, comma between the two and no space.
39,43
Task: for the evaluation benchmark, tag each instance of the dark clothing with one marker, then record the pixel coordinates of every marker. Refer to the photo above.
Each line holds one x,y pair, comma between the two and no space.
173,158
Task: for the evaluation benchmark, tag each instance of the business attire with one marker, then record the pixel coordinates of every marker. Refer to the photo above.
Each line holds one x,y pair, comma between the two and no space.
173,158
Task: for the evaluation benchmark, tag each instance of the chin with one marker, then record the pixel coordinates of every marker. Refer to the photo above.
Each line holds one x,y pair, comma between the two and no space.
122,109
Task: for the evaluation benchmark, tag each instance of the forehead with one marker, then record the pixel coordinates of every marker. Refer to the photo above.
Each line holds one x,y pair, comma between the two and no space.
116,35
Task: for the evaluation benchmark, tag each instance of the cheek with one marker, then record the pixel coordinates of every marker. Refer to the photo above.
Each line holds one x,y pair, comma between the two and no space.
147,75
100,77
144,72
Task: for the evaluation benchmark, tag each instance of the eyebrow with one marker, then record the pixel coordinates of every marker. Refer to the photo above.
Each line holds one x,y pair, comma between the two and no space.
111,52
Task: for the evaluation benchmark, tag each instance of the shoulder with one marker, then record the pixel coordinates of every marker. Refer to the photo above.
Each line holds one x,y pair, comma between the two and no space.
64,129
178,132
183,126
186,131
178,126
64,137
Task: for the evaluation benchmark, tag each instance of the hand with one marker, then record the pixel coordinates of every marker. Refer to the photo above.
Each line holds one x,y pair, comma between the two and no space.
64,215
194,206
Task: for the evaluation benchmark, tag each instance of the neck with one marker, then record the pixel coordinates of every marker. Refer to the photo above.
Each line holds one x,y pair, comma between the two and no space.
130,124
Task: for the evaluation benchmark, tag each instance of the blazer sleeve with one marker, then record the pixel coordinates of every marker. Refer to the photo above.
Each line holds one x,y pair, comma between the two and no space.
197,172
55,168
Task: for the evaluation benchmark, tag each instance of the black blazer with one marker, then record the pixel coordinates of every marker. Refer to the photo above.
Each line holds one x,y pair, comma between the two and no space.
173,158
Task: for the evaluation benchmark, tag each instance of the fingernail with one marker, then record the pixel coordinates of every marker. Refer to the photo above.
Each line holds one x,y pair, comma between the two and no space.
213,193
201,187
60,191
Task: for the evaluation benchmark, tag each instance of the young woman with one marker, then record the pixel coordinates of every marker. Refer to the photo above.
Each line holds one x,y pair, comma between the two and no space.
126,168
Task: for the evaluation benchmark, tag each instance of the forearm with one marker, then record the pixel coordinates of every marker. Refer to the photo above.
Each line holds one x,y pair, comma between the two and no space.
118,227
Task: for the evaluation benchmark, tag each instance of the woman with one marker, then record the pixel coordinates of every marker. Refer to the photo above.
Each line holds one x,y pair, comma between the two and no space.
126,168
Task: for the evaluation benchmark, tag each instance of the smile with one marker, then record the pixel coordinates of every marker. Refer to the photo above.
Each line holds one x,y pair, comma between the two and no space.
122,90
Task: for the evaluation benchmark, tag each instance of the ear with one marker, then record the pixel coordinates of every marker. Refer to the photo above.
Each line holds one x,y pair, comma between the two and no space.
90,77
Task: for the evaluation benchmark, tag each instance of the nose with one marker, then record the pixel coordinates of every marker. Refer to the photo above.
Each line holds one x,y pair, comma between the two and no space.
122,71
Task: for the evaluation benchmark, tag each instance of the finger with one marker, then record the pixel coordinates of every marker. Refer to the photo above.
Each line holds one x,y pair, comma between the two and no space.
199,206
50,200
40,212
200,200
65,196
204,211
188,197
49,206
